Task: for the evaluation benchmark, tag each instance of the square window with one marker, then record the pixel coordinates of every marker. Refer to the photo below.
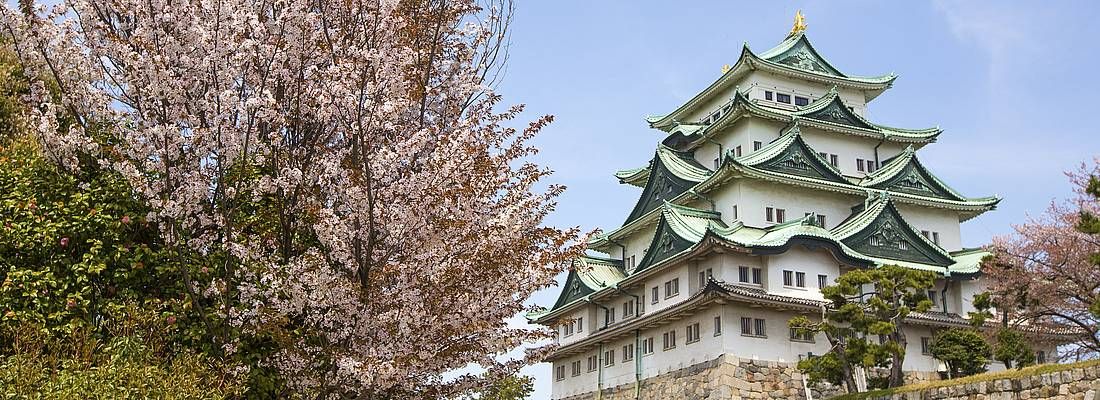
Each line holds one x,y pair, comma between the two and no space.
743,274
756,145
561,373
692,333
783,98
801,101
780,215
593,363
788,278
821,220
768,95
609,358
800,279
647,345
628,352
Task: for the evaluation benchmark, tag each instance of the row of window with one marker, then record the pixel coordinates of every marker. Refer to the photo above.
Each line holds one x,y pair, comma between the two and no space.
750,327
668,342
798,279
867,166
780,97
672,288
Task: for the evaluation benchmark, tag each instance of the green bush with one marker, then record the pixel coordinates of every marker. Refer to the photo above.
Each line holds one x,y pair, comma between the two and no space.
963,350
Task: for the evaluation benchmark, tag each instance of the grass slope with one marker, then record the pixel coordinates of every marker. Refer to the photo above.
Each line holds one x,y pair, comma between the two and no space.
988,376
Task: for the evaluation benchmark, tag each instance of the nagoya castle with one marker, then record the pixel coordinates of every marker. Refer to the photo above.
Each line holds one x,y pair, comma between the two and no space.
769,184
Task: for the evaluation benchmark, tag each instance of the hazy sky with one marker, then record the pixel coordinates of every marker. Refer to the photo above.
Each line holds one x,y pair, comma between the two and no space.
1011,84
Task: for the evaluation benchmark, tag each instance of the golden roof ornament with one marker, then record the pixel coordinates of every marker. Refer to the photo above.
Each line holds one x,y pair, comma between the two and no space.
799,24
725,68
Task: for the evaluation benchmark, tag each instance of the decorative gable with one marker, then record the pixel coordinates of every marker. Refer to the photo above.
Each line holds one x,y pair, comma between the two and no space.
799,159
663,185
573,290
914,179
838,113
802,55
889,236
665,244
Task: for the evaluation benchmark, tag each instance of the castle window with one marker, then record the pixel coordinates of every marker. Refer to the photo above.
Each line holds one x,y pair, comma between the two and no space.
704,276
926,346
753,327
756,145
780,215
743,274
672,287
610,313
800,279
1040,357
593,363
737,151
735,212
834,160
801,101
647,346
628,309
871,167
628,352
859,165
797,336
936,237
821,220
656,293
768,95
783,98
609,358
932,297
822,281
693,333
668,340
561,373
769,214
575,368
718,326
788,278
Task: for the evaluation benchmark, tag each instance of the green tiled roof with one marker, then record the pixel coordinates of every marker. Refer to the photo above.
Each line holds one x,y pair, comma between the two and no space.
789,154
682,230
828,113
670,174
635,176
786,59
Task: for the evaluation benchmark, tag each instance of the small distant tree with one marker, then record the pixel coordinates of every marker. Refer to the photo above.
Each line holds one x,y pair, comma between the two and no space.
515,387
964,351
1012,349
852,315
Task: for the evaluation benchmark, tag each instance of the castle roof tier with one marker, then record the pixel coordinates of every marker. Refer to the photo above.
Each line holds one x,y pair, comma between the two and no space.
669,174
721,292
875,234
828,113
795,58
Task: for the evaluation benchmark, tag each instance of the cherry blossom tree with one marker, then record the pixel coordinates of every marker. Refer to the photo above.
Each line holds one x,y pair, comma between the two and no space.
1049,272
341,165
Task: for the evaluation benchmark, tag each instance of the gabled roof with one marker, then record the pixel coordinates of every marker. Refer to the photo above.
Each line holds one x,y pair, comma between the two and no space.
679,229
828,113
789,154
904,173
877,229
670,173
794,57
588,275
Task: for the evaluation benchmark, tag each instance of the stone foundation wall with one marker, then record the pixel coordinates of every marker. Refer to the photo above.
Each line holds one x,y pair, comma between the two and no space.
1078,383
726,377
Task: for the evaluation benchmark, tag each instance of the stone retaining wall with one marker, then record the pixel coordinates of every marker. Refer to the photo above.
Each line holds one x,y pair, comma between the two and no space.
1078,384
725,377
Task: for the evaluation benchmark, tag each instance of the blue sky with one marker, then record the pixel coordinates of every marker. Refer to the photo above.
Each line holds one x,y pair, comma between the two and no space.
1013,85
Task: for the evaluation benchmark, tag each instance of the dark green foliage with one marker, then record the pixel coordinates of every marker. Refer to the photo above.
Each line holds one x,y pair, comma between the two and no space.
963,350
515,387
1013,349
855,319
